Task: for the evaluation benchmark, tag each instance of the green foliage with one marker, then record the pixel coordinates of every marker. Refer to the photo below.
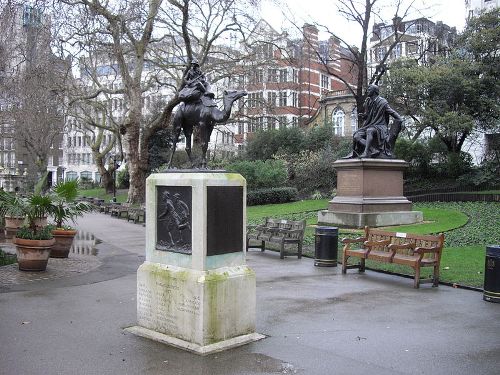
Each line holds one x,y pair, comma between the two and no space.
160,145
26,233
311,171
260,174
65,207
271,196
265,144
6,258
453,96
483,227
487,174
32,207
123,178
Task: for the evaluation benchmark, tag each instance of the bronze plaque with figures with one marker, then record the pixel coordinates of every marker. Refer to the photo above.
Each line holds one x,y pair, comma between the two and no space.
174,219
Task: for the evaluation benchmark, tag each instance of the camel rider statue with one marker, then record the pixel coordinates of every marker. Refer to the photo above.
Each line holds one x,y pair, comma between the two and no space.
196,87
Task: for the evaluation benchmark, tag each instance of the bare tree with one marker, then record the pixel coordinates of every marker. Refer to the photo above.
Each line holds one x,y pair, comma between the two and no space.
138,49
33,85
349,63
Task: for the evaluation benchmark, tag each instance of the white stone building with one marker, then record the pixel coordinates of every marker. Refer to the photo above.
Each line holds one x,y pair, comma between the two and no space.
474,7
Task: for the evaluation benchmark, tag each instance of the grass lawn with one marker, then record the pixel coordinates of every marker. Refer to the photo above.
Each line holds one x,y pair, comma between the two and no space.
121,194
468,228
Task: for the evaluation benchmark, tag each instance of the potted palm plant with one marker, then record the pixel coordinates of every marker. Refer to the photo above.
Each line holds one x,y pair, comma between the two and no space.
34,240
66,209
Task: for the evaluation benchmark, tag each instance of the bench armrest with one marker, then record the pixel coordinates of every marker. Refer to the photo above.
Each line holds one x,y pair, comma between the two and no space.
395,247
423,250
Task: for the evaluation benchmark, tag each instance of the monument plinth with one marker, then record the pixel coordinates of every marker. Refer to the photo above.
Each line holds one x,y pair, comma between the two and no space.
369,192
194,290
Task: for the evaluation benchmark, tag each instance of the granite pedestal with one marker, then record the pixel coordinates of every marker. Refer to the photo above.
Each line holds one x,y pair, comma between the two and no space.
194,291
369,192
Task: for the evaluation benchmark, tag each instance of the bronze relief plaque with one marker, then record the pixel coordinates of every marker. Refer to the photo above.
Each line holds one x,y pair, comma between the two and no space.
174,219
224,219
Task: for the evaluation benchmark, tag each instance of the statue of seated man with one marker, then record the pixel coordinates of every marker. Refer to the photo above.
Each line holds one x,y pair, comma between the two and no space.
374,139
196,86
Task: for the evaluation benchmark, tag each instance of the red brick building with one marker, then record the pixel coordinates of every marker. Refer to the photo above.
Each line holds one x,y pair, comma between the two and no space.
287,78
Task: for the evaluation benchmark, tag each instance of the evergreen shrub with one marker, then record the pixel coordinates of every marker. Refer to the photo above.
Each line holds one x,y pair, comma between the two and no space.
260,174
271,196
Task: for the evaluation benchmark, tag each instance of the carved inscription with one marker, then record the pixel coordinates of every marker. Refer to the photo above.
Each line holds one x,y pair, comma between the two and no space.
348,184
163,306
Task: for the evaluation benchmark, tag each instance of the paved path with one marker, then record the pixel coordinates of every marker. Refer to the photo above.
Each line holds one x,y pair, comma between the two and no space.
317,321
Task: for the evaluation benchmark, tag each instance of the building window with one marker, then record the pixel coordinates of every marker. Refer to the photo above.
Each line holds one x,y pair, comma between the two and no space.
283,99
282,122
271,123
325,82
70,176
283,75
86,175
338,122
295,122
241,128
271,99
295,76
295,100
354,120
272,75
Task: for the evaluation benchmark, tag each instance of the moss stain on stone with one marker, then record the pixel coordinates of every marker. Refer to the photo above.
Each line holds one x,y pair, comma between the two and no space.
213,285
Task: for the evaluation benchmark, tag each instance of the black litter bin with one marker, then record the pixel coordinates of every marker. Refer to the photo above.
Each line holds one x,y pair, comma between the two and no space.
326,246
492,274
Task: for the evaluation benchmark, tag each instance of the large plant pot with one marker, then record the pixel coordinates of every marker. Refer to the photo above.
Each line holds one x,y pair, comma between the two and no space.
33,255
12,225
64,240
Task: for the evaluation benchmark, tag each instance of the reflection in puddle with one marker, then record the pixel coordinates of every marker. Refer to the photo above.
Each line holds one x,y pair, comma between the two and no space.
84,244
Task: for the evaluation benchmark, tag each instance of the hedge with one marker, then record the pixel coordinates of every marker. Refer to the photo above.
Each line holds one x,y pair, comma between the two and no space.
272,195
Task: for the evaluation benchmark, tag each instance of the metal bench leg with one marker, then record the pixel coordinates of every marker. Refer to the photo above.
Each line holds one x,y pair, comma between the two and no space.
282,251
299,250
263,245
362,265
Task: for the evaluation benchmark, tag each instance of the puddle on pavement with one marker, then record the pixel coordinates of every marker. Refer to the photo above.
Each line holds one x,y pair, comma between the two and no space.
84,243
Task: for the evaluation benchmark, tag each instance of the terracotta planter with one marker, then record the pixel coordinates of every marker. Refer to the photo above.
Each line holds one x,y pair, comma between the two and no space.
12,224
64,240
33,255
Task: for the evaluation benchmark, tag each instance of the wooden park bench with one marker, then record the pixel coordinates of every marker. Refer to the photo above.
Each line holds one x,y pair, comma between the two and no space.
282,232
120,210
137,214
407,249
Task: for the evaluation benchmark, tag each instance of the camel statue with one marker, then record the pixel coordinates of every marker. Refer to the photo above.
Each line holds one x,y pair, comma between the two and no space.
192,114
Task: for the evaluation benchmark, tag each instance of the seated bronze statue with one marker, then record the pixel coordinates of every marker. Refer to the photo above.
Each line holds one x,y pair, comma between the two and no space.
375,139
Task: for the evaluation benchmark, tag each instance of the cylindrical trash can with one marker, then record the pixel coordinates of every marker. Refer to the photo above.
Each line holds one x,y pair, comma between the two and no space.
492,274
326,246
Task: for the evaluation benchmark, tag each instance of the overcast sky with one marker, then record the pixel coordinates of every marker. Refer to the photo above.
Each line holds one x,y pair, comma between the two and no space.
451,12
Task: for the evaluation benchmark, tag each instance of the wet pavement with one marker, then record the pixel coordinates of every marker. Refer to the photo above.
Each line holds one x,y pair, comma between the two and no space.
317,321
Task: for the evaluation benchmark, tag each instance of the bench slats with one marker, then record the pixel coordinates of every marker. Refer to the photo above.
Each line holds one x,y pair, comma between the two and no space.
407,249
278,231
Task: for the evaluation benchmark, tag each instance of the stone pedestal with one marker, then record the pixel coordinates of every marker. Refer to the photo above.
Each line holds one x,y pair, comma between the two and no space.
194,291
369,192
